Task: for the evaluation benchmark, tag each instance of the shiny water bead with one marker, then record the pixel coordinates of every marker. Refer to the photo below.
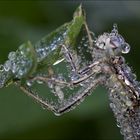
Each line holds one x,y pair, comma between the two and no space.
127,82
29,83
59,92
3,78
50,84
21,66
39,81
42,53
115,29
13,67
12,55
11,62
43,48
7,65
74,76
23,49
21,72
1,68
19,63
125,48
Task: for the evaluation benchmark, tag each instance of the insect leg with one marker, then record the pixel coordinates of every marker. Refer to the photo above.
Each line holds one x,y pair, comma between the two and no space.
69,58
73,100
33,95
84,74
69,104
78,97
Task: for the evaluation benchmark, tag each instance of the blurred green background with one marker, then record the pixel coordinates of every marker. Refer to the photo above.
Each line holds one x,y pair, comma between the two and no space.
20,116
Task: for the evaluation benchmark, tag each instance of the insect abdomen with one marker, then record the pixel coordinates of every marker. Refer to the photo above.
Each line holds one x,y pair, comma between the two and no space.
125,104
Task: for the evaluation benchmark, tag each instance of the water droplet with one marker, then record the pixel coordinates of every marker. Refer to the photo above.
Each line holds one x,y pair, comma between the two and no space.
125,48
120,77
115,29
20,73
43,106
59,92
39,82
23,50
29,83
57,114
129,103
83,38
115,26
42,53
127,82
12,55
14,68
112,105
7,65
19,64
50,84
85,44
74,76
1,68
118,124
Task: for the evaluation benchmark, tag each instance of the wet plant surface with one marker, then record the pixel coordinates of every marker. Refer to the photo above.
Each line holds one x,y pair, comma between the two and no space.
68,64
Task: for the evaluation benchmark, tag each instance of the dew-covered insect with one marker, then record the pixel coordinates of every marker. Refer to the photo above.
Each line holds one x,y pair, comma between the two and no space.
69,64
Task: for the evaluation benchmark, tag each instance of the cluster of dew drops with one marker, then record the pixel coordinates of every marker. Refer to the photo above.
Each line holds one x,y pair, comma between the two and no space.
18,64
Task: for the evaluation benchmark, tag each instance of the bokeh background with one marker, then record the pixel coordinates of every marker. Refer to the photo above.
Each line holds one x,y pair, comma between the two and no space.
20,116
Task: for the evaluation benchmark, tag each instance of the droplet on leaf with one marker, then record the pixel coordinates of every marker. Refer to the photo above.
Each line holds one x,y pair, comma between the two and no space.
29,83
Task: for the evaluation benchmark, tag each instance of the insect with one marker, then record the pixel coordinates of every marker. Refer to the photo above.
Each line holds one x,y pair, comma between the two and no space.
83,77
71,70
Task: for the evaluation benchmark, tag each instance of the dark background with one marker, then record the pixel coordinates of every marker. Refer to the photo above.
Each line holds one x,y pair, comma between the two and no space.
20,116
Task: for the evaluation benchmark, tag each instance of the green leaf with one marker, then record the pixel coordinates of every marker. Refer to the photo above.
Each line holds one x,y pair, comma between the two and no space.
31,59
75,26
64,35
30,54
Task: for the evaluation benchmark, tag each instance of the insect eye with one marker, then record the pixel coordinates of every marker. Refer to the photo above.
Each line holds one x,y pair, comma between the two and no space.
119,42
101,41
101,45
116,41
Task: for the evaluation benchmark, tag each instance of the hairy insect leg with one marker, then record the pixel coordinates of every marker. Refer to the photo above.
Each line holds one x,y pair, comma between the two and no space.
84,74
70,58
35,96
72,101
78,97
68,104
